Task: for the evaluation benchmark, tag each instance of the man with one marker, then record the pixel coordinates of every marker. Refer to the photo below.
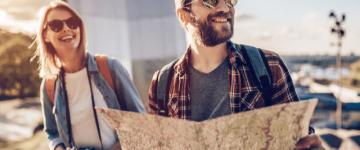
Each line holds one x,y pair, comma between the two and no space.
213,78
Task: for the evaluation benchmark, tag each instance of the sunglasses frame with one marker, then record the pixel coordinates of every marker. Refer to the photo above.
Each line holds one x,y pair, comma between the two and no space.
210,6
63,23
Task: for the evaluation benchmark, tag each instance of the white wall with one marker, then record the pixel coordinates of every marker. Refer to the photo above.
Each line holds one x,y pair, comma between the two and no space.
132,29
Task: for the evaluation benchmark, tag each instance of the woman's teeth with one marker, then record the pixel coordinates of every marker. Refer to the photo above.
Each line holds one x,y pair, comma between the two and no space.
66,38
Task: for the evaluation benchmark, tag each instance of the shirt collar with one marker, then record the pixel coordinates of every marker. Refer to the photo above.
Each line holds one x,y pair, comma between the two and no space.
235,54
235,57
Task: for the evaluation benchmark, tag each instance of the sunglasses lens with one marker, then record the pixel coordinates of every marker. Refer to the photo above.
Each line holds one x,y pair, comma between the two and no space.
73,22
56,25
211,3
231,3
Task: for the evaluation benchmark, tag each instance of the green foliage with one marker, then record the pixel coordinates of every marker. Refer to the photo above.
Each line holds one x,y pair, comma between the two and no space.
18,76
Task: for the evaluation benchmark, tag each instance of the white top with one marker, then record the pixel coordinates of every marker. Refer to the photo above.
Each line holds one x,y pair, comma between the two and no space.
81,112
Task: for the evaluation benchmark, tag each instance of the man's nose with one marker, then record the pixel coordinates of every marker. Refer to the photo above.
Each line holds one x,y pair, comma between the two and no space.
222,6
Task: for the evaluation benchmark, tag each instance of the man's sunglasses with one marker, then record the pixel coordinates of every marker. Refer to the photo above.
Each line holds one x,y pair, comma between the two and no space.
57,25
214,3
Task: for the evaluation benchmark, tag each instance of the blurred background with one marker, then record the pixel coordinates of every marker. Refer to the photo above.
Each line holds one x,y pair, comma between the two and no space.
318,40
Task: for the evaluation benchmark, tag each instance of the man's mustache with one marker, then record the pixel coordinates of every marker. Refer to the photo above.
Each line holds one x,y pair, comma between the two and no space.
221,14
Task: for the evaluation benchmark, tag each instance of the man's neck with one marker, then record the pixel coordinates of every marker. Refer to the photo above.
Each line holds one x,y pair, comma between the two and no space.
206,59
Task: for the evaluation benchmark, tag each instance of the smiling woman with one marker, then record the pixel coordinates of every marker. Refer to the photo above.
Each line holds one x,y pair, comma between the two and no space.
75,82
49,43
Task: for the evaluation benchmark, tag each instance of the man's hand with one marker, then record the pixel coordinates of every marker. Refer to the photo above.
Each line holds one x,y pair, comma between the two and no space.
311,141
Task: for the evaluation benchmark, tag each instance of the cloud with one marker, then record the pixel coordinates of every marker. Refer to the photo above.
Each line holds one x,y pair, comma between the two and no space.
264,36
244,17
20,15
22,9
27,26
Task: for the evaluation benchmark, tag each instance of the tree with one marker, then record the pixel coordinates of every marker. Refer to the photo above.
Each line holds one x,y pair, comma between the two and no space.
18,76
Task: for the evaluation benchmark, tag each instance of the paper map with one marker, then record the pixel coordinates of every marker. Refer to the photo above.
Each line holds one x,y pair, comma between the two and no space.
276,127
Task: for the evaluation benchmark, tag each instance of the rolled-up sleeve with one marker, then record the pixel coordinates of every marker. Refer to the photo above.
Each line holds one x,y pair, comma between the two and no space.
50,127
283,87
125,88
153,105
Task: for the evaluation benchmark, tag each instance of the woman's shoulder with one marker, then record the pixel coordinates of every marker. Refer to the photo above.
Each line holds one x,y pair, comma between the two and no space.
115,64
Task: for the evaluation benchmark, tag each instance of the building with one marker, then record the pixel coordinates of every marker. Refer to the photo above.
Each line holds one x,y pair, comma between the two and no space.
142,34
355,74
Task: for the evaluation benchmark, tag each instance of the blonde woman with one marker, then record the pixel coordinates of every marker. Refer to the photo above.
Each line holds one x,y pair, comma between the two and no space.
73,84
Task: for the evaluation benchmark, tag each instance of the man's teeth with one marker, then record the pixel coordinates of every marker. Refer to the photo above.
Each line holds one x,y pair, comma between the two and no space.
220,20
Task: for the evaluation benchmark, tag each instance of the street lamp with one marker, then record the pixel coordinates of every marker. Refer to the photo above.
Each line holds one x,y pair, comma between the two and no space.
339,31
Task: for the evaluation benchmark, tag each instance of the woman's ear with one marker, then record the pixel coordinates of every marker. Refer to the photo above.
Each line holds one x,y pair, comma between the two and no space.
46,39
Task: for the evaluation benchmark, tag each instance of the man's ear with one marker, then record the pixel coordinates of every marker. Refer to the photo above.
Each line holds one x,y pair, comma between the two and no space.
184,16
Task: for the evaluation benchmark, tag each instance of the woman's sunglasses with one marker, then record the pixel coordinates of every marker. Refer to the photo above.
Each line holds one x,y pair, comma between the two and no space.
57,25
214,3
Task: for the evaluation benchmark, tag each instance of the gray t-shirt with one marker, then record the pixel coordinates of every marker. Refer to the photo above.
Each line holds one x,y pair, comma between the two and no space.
209,93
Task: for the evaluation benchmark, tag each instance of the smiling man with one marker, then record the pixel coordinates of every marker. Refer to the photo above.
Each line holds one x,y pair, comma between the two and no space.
216,77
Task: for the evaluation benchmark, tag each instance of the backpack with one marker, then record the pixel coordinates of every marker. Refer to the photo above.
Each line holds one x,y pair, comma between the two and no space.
257,64
102,64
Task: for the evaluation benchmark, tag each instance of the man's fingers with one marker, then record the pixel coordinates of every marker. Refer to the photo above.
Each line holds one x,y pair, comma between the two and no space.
310,141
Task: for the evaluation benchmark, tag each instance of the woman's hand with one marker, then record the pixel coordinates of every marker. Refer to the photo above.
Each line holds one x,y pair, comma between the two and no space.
60,147
116,146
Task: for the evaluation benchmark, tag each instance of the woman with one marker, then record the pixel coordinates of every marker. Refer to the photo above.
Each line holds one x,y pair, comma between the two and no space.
73,84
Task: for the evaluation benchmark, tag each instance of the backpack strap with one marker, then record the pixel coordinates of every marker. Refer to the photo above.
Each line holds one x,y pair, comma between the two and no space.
102,64
260,68
162,87
50,89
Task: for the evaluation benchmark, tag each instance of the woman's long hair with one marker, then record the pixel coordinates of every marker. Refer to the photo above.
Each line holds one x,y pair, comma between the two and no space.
49,63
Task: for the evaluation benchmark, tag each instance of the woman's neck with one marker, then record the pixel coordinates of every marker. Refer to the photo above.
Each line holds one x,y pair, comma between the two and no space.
74,63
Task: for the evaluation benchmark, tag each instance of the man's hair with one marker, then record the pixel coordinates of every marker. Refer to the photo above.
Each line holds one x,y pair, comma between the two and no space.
183,7
179,4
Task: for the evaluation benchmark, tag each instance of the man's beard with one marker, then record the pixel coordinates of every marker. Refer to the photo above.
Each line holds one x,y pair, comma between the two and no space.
206,33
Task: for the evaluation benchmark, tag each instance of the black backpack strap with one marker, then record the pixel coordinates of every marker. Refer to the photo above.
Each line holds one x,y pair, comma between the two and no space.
162,87
260,68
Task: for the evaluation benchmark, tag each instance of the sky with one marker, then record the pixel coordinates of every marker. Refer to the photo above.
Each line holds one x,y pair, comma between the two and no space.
289,27
20,15
296,26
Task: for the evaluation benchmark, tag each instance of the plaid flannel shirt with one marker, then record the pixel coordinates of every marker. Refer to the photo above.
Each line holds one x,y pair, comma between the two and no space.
244,95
